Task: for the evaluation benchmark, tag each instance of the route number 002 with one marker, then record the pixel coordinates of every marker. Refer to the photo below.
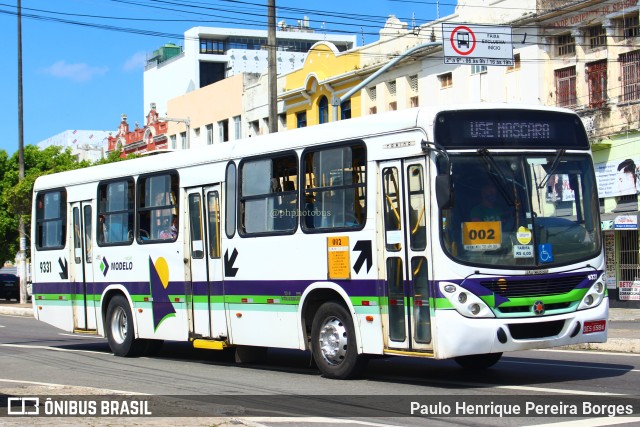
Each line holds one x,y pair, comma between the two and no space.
481,234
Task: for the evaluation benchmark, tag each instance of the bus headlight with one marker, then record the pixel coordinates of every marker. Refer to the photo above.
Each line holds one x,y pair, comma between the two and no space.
594,295
465,302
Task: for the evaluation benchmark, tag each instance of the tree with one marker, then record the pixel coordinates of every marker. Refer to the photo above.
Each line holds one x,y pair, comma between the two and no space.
16,195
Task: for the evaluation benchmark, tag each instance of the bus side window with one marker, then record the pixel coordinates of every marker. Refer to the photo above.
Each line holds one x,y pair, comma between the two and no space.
334,187
115,212
158,208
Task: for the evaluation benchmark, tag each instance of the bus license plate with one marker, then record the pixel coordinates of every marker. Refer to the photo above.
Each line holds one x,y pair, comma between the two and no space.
594,326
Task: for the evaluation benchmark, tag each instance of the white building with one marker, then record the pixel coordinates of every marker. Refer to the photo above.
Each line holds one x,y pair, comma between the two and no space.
85,144
213,54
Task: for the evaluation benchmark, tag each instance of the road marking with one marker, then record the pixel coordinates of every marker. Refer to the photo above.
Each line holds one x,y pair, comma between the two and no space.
599,353
44,347
6,380
567,365
593,422
1,326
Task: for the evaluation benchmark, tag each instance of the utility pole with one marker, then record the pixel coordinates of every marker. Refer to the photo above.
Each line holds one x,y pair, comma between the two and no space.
22,258
272,68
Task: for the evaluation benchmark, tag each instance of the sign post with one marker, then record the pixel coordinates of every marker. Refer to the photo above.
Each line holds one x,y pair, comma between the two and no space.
477,44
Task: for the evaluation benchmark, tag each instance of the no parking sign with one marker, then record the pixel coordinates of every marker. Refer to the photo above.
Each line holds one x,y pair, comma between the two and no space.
477,44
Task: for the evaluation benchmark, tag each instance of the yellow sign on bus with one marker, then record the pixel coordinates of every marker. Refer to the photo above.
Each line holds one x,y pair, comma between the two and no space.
338,257
481,235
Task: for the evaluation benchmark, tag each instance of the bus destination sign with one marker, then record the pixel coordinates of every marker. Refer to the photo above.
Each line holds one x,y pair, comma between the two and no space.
507,129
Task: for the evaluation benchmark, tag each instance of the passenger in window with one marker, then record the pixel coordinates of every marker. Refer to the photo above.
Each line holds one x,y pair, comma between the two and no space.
171,232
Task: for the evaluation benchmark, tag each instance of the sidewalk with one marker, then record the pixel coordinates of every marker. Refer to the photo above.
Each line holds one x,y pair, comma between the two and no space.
620,339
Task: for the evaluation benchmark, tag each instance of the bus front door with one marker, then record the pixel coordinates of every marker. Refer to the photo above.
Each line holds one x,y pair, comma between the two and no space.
205,299
79,268
406,248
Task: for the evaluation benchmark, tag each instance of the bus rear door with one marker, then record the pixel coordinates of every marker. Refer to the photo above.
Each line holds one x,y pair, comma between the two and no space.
405,219
80,267
205,303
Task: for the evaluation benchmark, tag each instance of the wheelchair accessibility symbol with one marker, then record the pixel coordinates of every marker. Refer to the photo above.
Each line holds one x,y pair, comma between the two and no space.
545,253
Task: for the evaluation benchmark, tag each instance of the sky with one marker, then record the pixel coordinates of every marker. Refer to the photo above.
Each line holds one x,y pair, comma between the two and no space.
83,60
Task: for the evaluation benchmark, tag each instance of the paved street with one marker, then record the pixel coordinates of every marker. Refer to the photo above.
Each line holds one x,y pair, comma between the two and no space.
38,360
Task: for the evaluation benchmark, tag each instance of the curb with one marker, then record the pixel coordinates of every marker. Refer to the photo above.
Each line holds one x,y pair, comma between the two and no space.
16,311
620,345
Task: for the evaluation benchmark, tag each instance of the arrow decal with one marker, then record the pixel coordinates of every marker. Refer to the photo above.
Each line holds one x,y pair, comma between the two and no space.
64,274
229,269
364,246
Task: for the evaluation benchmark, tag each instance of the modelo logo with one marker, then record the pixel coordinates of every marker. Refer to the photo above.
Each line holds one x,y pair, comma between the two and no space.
119,266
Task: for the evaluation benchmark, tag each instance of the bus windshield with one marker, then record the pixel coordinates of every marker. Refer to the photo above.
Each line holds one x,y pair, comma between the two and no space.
522,210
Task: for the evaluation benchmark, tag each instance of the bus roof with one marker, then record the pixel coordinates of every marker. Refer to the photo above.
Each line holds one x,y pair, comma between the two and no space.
361,127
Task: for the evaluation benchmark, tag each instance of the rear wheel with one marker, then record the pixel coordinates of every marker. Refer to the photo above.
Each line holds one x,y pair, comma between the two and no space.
333,342
478,361
119,328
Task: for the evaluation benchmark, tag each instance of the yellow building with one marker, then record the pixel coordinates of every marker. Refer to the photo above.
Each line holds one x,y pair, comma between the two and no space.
325,75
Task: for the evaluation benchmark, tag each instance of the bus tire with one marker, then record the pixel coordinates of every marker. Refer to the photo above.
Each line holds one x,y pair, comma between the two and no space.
119,328
333,342
478,361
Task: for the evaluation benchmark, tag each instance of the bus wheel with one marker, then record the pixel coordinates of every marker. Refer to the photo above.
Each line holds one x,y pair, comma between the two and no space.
333,342
119,329
478,361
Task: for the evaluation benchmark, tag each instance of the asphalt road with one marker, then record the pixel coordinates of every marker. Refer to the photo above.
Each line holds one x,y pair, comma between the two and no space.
36,358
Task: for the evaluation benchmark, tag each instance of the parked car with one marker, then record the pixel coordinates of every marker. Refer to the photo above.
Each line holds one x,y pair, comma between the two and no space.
9,287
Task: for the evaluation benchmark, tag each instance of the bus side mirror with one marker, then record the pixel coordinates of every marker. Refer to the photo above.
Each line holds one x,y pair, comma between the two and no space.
444,191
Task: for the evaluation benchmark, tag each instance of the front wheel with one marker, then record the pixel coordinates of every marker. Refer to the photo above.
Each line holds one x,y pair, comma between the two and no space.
478,361
333,342
119,328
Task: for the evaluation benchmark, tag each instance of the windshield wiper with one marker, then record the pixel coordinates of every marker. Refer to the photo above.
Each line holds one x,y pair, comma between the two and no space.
500,180
552,169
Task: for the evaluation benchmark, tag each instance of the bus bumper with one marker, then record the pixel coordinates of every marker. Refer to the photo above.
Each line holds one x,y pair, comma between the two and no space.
459,336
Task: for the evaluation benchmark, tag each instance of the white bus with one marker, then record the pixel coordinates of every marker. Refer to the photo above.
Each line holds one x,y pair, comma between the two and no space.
459,232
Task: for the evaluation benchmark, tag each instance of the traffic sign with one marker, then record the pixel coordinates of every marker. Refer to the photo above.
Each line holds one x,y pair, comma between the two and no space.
477,44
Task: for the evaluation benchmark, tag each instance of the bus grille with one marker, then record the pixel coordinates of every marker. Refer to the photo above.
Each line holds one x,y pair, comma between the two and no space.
533,287
525,331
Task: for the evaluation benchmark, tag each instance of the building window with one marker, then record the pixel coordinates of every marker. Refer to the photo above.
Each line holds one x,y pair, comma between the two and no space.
115,212
597,36
237,127
478,69
209,134
413,101
345,110
516,63
268,195
215,47
566,87
174,144
392,87
323,110
393,106
373,110
334,188
301,119
630,27
183,140
373,95
566,45
223,130
630,75
158,208
413,83
51,220
597,82
446,80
